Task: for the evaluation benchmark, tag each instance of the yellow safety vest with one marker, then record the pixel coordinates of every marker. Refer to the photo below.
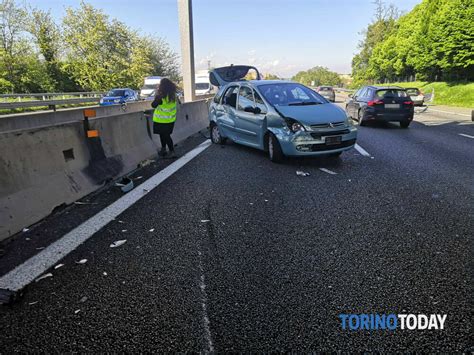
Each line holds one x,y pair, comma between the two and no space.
166,112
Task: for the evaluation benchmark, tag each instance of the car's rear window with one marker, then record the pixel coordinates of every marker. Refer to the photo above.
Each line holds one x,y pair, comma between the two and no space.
413,91
116,93
390,93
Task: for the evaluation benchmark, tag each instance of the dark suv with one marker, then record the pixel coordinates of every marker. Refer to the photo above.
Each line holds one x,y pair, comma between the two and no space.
376,103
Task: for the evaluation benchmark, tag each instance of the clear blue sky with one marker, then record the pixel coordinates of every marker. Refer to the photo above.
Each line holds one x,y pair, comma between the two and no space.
278,36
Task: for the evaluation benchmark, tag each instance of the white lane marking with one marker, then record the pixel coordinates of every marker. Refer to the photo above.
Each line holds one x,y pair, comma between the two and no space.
205,317
466,135
25,273
361,150
451,113
328,171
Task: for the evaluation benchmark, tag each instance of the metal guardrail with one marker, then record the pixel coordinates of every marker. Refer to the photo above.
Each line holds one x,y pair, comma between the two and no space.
50,100
51,104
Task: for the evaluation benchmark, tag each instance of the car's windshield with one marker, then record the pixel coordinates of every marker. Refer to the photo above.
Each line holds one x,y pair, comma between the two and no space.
290,94
202,86
116,92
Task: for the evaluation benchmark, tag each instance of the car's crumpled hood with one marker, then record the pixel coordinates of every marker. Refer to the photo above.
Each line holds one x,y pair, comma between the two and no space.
313,114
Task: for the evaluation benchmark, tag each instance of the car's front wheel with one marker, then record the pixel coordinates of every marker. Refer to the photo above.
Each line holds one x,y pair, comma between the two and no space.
274,149
216,137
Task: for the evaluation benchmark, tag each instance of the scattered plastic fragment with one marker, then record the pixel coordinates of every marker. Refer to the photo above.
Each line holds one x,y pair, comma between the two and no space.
77,311
58,266
85,203
205,220
124,230
24,230
104,273
27,238
302,173
120,221
118,243
328,171
152,230
32,303
82,261
40,248
251,203
266,200
138,178
44,277
126,184
83,299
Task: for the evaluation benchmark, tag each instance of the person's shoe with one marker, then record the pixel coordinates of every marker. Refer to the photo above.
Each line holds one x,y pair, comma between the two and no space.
172,154
162,153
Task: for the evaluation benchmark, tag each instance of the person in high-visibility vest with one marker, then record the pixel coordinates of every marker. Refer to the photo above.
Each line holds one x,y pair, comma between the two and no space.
164,116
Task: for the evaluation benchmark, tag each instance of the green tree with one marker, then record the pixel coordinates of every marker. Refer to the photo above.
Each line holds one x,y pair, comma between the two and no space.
318,76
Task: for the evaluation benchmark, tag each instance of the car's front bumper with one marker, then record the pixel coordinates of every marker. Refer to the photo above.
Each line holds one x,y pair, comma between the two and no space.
314,143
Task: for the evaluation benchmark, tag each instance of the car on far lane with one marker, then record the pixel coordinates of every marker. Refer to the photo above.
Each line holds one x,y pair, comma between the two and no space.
416,96
327,92
374,103
280,117
118,97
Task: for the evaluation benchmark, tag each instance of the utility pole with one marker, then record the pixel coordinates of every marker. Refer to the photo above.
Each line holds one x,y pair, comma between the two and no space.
185,14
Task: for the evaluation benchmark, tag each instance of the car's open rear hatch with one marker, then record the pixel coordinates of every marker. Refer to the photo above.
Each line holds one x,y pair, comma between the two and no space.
224,75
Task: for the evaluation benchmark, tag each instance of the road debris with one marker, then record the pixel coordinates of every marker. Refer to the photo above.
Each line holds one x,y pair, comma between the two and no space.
77,311
104,273
24,230
44,277
138,178
205,220
125,184
32,303
124,230
82,261
152,230
40,248
328,171
120,221
27,238
302,173
144,163
58,266
83,299
118,243
85,203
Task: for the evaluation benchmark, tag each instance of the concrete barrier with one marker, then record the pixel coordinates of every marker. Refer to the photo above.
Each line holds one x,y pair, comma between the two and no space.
45,167
45,119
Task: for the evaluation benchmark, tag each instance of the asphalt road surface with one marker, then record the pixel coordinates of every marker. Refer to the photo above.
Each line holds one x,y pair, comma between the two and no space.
235,253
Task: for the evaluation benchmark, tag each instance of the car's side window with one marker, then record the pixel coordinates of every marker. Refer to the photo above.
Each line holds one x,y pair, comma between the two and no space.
217,98
245,98
362,94
259,103
230,97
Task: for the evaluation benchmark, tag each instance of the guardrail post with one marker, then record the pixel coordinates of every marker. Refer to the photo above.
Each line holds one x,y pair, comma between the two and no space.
52,107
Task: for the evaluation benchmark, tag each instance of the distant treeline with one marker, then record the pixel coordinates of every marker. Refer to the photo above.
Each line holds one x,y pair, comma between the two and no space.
433,42
87,51
318,76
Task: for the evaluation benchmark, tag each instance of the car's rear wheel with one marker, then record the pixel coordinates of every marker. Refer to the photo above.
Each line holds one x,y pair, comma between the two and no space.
216,137
360,118
404,124
274,149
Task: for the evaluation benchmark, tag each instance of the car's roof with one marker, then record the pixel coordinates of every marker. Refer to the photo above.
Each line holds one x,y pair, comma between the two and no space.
386,87
266,82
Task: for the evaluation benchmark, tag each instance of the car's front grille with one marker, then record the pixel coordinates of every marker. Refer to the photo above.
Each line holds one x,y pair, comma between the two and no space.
328,125
330,133
322,147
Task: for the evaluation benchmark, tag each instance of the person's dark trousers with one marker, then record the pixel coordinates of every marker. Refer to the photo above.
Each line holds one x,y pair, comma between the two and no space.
164,130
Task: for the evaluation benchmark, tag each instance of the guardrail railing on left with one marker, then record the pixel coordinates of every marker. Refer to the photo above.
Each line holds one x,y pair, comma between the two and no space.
50,100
